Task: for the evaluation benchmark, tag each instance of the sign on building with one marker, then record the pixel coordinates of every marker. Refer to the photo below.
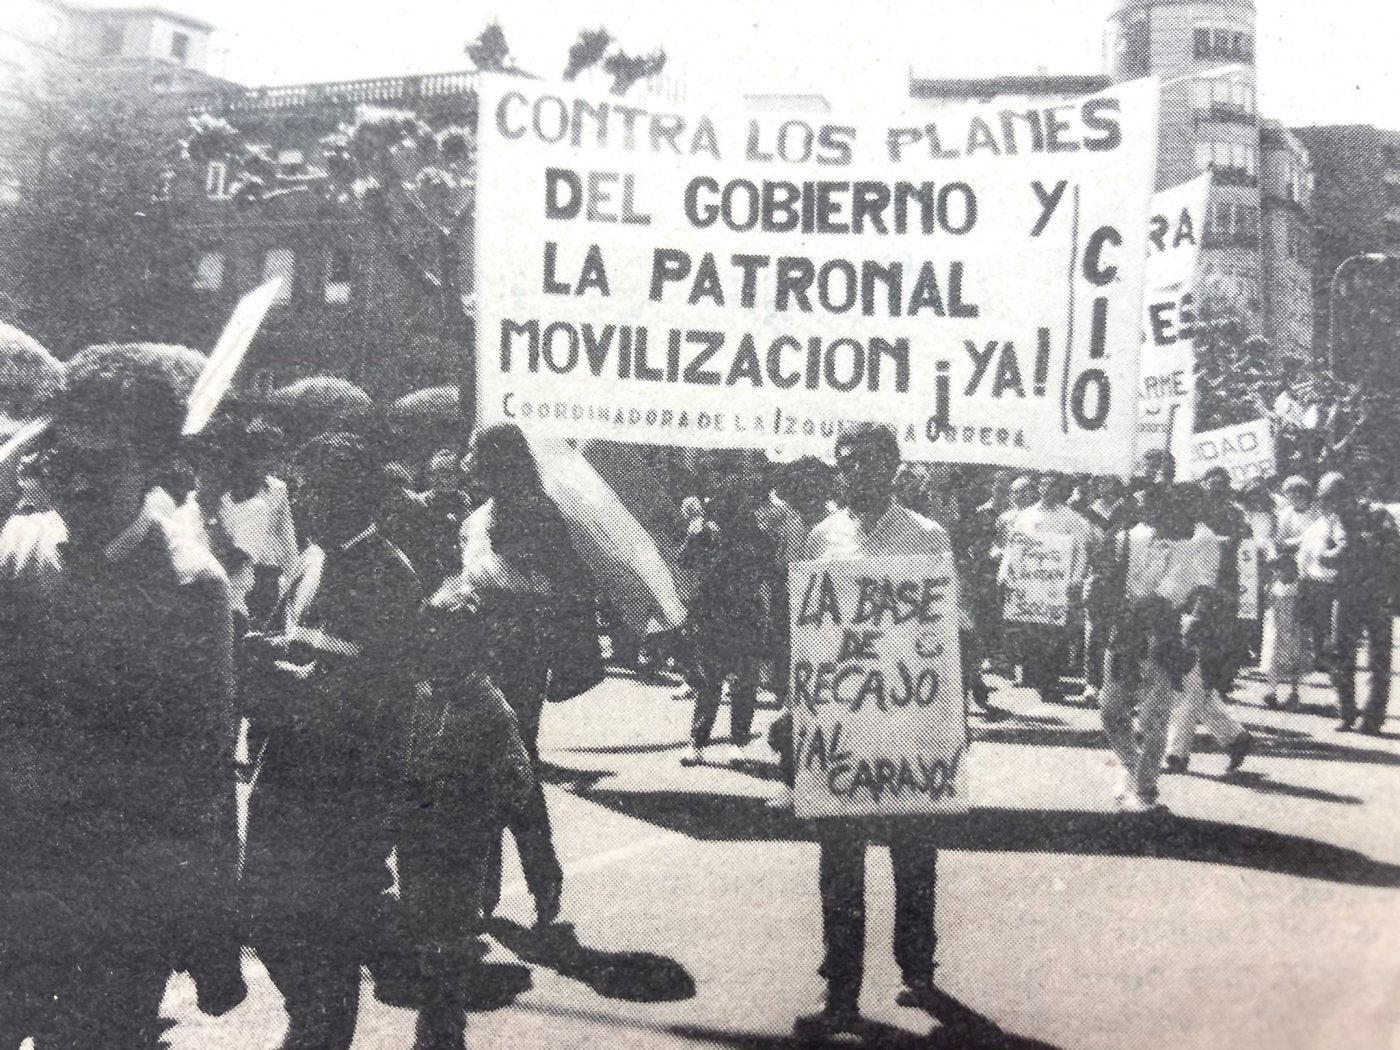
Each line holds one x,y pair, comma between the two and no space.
879,721
712,278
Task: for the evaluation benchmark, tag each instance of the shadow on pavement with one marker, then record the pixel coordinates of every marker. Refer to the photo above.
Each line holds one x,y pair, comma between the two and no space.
731,818
1259,782
979,1034
1271,742
631,749
641,977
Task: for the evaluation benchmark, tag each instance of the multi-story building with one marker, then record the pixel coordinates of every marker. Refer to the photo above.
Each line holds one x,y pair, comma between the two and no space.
1357,223
347,308
1255,255
1257,252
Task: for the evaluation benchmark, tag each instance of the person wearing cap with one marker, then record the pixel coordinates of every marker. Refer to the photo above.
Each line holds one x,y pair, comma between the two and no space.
1349,561
873,523
117,782
1287,652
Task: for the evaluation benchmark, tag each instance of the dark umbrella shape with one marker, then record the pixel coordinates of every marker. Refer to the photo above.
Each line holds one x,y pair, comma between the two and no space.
434,404
319,403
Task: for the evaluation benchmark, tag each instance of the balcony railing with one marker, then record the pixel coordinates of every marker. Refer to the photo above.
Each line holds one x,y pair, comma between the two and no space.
377,90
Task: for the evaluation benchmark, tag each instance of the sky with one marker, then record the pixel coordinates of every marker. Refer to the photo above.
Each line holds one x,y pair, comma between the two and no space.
1315,66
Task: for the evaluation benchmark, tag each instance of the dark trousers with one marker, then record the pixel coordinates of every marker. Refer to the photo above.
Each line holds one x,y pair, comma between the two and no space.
914,857
711,669
1374,621
529,824
1043,652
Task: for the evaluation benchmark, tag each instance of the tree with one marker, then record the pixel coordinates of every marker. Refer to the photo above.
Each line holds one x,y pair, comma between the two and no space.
587,51
99,258
410,172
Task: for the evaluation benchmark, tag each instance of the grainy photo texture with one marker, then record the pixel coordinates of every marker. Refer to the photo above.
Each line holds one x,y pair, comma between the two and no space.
728,525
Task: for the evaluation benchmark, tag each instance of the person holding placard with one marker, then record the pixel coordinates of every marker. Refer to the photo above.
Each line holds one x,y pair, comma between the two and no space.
1043,572
1162,596
871,524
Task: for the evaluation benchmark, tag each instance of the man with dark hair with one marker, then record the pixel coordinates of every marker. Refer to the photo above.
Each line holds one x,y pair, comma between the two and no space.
119,829
873,523
333,778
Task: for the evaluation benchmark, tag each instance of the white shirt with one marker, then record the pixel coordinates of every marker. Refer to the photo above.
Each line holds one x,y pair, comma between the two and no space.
1324,537
1171,569
898,532
1064,520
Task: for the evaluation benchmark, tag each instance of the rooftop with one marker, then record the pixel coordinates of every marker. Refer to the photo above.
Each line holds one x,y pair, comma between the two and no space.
990,87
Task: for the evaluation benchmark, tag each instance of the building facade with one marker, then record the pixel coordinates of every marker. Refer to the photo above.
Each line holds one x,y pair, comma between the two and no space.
1357,219
1256,252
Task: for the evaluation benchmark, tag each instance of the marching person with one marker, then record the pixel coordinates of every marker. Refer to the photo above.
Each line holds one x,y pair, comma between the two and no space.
119,827
537,600
873,523
738,573
1287,648
1166,590
1220,650
1043,648
1350,560
336,689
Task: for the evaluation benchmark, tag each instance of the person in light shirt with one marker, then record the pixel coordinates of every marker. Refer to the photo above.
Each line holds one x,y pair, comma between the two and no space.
1287,653
871,524
1166,589
1044,648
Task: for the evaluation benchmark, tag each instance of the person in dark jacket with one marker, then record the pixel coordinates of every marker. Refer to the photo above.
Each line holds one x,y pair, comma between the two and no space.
738,572
1359,544
537,601
117,785
336,696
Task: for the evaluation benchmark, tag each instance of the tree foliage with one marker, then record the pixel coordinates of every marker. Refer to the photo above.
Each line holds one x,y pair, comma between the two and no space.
412,174
92,231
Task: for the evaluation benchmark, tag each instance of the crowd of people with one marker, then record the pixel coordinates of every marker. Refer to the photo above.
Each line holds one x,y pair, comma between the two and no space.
370,654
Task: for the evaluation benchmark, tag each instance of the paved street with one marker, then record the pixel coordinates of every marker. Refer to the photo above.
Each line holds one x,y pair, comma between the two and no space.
1266,914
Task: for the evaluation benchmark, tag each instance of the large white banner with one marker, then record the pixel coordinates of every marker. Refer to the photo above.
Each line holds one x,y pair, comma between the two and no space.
879,723
723,279
1167,390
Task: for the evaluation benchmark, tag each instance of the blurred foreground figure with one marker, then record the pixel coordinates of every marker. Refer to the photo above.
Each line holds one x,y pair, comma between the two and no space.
119,828
335,691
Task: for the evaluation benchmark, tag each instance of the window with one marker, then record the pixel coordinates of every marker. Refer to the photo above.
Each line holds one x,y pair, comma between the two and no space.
280,262
216,181
162,82
1224,43
1390,156
180,47
291,161
1232,224
209,274
1225,100
1232,163
338,275
1297,243
109,45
